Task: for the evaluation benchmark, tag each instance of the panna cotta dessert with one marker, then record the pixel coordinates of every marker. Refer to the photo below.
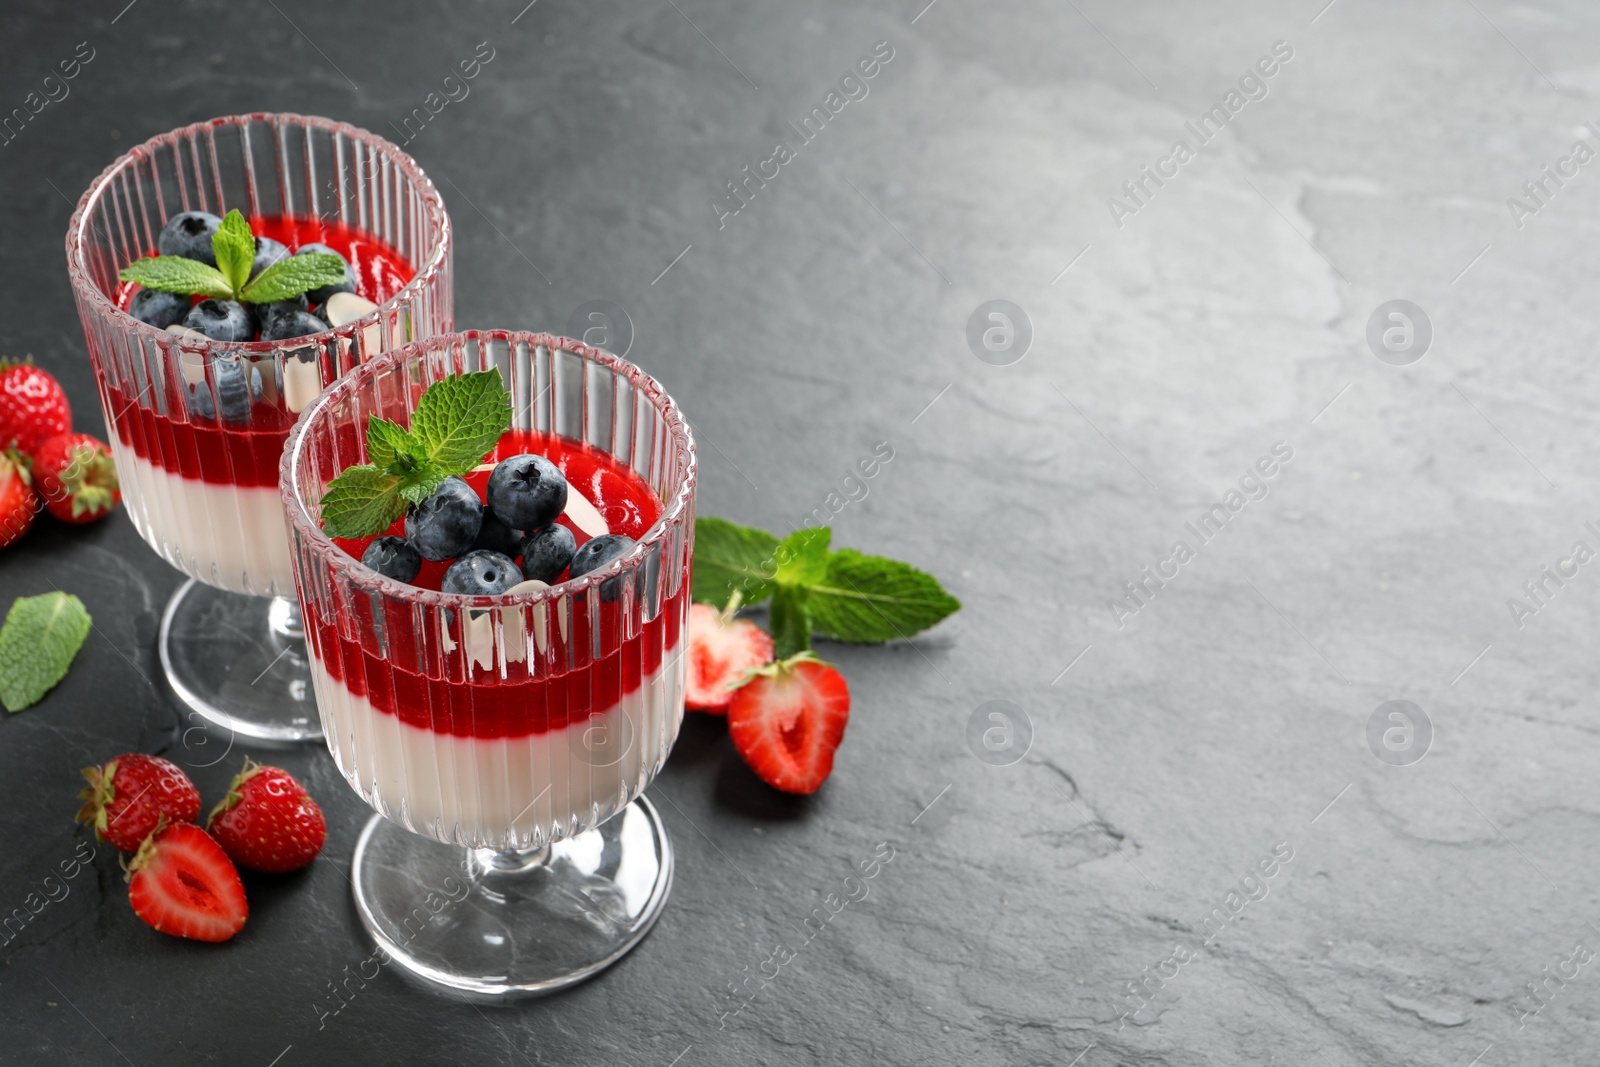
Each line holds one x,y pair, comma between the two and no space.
492,537
495,604
515,726
200,472
225,273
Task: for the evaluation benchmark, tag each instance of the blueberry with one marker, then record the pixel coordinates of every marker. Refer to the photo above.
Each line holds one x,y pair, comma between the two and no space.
393,557
596,553
320,296
200,404
481,573
546,553
267,312
222,320
292,324
188,234
229,377
496,536
527,491
158,309
233,396
445,524
268,252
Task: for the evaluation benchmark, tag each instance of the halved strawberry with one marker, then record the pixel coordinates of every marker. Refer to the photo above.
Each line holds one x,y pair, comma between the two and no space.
182,883
18,502
720,651
787,720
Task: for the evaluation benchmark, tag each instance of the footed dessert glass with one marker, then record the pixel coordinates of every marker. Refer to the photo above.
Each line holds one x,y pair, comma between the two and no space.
505,741
198,467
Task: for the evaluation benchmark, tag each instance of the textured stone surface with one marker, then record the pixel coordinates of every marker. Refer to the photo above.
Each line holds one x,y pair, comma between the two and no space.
1227,718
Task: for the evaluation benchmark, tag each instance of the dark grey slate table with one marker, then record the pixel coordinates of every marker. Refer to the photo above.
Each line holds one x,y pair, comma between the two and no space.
1202,857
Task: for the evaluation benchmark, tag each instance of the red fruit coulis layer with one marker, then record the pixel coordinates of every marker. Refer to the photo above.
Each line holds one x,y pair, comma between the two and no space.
447,693
246,454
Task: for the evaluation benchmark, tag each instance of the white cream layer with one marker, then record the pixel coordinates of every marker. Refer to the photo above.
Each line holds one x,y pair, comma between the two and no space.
233,537
503,792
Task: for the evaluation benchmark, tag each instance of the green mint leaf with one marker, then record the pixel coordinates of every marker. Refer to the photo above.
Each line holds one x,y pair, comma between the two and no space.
419,478
727,557
791,621
174,274
869,599
40,637
360,502
385,441
803,557
235,247
293,275
458,420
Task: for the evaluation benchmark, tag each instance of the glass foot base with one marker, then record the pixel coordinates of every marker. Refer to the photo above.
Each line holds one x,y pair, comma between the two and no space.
492,926
235,660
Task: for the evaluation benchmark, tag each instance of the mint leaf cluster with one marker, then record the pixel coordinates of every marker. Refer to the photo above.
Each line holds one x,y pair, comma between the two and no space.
40,638
235,246
457,421
844,595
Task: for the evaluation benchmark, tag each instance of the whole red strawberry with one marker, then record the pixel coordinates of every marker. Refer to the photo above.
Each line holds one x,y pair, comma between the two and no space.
129,796
74,474
268,822
18,502
33,406
720,651
182,884
787,720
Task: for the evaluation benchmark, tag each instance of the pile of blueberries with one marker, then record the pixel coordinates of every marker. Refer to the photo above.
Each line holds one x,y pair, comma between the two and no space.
527,493
189,235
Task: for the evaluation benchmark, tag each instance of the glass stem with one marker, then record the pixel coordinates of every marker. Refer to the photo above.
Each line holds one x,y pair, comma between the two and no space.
283,618
510,860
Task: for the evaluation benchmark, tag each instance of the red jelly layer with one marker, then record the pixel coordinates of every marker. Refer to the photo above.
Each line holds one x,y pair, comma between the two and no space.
246,454
380,654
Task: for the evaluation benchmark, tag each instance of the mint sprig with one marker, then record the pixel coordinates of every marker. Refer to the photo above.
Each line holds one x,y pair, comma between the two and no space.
790,622
728,558
174,274
40,638
868,598
462,418
844,595
293,275
235,246
362,501
457,421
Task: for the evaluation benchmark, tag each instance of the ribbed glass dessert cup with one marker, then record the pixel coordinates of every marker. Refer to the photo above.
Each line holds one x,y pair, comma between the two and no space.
198,467
505,741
